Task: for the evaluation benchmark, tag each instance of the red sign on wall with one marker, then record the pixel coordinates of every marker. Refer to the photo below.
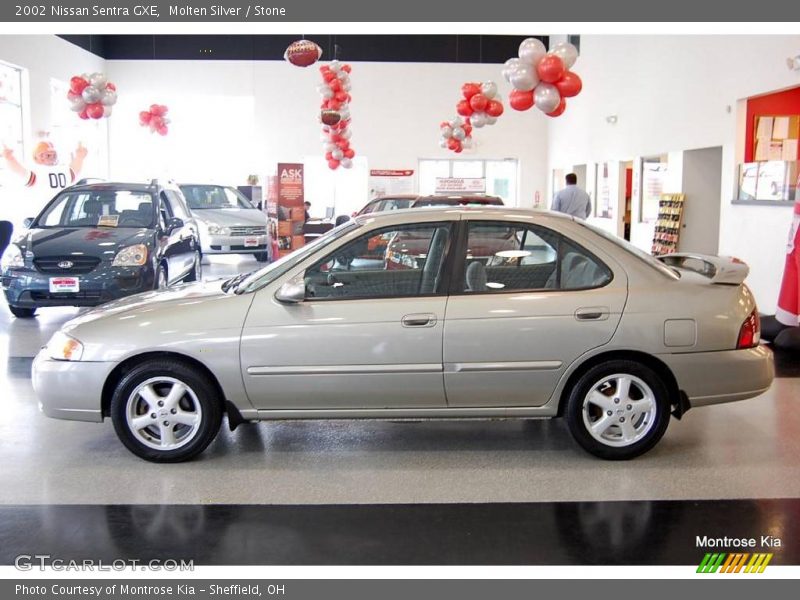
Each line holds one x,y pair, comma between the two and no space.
290,185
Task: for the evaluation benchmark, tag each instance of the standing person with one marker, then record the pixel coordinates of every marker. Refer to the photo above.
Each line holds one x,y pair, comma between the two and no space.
307,206
572,200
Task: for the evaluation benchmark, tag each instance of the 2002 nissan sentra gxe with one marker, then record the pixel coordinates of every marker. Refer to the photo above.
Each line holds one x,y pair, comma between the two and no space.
556,319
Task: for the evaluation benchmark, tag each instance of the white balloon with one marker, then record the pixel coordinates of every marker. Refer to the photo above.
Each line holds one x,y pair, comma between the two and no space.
346,163
335,65
108,98
524,78
347,86
467,143
478,119
345,114
546,97
447,132
457,122
510,65
489,89
345,133
337,153
108,109
98,80
443,143
566,52
90,94
77,104
531,51
459,133
490,120
329,147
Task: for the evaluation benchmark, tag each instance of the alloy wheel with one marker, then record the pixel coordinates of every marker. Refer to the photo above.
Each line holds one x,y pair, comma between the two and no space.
163,413
619,410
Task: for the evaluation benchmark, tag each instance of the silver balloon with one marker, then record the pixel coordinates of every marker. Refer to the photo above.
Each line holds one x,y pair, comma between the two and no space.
531,51
337,153
335,65
108,109
347,86
447,131
345,133
467,143
326,91
91,94
524,78
490,120
346,163
566,52
443,143
344,112
329,147
546,97
108,97
98,80
459,133
77,104
457,122
489,89
509,67
478,119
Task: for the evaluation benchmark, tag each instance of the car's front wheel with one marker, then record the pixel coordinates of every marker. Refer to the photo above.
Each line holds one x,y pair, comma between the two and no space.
166,411
196,274
618,409
22,313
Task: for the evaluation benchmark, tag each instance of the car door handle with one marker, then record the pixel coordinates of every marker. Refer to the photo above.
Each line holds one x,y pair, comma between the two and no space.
419,320
592,313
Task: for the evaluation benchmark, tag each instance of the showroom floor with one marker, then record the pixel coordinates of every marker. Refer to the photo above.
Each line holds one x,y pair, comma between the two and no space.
493,492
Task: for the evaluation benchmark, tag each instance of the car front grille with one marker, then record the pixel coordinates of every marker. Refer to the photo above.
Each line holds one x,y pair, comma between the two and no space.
81,265
245,231
78,296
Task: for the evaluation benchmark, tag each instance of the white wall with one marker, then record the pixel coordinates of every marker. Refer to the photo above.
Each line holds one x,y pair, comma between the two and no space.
672,93
396,111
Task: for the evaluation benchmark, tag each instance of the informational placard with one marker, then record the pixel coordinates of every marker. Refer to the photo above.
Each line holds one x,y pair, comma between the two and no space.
290,184
460,185
390,182
290,210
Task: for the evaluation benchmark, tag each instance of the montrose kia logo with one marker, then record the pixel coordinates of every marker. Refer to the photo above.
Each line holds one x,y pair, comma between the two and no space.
736,562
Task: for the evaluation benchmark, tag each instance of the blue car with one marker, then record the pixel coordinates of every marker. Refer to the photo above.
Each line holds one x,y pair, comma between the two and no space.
98,242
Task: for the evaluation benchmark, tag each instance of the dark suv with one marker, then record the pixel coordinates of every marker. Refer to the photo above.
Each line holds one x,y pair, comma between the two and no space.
98,242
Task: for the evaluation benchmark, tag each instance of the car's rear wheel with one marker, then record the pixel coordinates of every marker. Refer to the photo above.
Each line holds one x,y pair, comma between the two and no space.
165,411
196,274
22,313
618,410
262,257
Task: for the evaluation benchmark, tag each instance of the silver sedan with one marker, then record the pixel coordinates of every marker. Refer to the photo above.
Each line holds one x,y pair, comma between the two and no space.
435,314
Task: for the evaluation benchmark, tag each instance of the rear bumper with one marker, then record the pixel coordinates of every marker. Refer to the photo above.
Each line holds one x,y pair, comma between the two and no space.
70,390
715,377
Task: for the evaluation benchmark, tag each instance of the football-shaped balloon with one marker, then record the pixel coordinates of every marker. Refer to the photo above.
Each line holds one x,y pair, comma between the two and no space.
302,53
330,117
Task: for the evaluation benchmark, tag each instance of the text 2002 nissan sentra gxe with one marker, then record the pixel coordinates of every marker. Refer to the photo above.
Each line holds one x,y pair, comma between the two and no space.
558,320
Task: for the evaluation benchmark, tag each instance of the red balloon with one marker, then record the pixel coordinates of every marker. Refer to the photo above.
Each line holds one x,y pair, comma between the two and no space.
467,129
520,100
346,68
349,153
328,156
463,108
333,163
335,85
328,76
111,86
562,106
144,117
494,108
77,84
444,124
569,85
458,148
341,96
470,89
162,130
478,102
452,143
551,68
83,114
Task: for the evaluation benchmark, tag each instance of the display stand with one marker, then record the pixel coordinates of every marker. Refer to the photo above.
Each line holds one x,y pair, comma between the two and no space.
668,224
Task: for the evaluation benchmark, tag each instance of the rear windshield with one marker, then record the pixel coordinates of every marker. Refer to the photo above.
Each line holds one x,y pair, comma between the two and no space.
99,208
458,202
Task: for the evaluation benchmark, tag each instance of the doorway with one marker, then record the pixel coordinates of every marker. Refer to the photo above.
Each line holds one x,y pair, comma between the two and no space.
702,185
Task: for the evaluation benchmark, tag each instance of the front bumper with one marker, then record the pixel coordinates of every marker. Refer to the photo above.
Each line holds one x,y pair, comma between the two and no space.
715,377
70,390
228,244
28,288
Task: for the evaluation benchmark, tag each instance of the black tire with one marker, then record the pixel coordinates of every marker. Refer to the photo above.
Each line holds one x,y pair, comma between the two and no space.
262,257
22,313
652,425
161,275
200,393
196,274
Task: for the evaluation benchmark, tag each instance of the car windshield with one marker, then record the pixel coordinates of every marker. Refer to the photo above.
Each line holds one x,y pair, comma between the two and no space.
203,197
262,277
99,208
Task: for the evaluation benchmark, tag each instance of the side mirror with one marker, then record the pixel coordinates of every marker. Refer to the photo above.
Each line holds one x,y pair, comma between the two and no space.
292,292
27,223
173,224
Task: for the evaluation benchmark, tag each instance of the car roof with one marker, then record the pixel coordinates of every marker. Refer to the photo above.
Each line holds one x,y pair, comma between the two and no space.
456,213
112,187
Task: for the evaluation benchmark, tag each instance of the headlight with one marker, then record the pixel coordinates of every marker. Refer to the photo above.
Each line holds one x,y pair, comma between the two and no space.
63,347
131,256
218,230
12,258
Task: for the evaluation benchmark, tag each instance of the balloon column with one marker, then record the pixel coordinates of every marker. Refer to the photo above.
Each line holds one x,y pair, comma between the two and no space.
155,118
302,53
335,114
91,96
542,79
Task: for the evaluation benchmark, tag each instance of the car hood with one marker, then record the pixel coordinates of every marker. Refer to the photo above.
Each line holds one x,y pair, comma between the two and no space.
231,217
90,241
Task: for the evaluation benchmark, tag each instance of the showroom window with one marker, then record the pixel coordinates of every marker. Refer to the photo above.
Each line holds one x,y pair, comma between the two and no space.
500,176
502,257
390,262
10,112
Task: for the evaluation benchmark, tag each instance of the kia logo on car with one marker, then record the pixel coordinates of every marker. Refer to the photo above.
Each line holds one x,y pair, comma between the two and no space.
65,264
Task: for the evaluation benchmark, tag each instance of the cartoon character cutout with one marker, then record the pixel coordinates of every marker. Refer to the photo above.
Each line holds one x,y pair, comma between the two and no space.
51,175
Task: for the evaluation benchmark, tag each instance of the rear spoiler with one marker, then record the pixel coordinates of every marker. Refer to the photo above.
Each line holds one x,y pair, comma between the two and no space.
724,270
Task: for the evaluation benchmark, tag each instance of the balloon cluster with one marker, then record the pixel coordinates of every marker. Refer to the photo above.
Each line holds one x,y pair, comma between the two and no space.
302,53
335,114
541,78
480,105
456,134
155,118
91,96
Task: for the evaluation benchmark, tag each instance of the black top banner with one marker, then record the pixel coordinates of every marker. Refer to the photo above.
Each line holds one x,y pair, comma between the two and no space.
267,11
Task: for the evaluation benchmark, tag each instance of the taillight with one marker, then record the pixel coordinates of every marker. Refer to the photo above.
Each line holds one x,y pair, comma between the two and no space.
750,332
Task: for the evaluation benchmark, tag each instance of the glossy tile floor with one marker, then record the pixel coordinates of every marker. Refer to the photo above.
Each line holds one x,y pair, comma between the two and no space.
748,449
